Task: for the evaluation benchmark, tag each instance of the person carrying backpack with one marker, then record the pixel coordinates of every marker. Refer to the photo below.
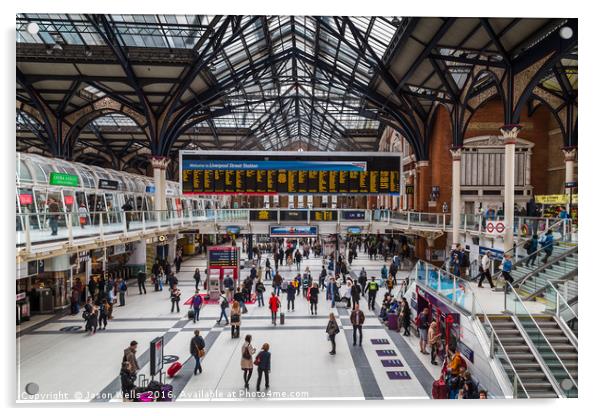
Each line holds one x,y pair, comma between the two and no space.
548,245
290,295
363,280
223,306
422,323
259,290
197,302
531,246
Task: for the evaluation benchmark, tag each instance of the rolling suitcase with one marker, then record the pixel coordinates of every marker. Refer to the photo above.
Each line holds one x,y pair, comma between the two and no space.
281,318
173,369
392,322
440,389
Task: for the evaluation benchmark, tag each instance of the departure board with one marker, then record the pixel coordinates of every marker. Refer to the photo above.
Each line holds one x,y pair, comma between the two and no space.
272,173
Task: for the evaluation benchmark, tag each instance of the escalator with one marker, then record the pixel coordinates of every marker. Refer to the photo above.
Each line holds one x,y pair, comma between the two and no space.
522,359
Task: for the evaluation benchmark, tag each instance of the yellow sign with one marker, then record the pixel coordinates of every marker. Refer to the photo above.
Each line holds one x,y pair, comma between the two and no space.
558,199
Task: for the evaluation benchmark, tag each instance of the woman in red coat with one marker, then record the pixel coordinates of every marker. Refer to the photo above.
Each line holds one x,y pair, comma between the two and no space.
274,305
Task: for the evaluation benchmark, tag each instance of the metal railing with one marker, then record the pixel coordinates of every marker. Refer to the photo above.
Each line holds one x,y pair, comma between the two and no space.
441,282
561,308
515,305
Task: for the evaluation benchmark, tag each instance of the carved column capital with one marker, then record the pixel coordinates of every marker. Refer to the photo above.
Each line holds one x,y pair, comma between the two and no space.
422,163
570,154
510,133
456,153
159,162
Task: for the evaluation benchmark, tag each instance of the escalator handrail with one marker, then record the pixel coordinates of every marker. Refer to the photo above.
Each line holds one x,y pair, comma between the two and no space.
544,337
482,312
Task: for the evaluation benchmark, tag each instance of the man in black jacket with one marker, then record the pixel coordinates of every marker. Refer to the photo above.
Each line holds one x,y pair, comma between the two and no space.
357,320
197,350
356,292
141,281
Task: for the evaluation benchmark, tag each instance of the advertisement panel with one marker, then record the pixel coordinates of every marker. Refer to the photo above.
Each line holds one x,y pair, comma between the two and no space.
293,231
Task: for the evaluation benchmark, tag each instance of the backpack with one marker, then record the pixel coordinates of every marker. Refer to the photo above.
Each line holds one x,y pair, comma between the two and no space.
85,315
123,287
224,304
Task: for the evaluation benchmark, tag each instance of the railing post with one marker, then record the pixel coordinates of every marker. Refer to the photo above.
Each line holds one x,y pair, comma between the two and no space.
101,223
143,221
454,293
473,307
557,304
278,216
444,222
125,222
547,223
515,386
437,215
27,234
68,219
438,280
480,223
419,217
492,344
465,216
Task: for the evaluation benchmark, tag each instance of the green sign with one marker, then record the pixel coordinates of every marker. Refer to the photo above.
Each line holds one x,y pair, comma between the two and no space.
63,179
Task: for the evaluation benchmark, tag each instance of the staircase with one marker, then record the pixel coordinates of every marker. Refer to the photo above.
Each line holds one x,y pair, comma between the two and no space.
568,289
562,265
564,349
522,358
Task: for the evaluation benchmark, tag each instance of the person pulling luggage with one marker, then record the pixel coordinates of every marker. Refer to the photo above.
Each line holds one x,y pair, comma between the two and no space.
197,350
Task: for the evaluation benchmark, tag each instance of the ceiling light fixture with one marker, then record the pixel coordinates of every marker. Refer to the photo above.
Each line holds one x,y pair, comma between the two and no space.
32,28
57,47
565,32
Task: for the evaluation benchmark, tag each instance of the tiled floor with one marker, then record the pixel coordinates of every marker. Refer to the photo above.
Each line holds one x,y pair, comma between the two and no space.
67,364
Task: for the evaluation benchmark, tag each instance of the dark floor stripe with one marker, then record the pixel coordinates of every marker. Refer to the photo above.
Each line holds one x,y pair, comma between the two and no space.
114,387
360,361
186,373
422,374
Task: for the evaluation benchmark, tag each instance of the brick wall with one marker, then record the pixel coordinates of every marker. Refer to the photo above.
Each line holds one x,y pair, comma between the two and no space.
440,157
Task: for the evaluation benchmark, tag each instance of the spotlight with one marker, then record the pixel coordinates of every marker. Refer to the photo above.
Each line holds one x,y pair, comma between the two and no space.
32,28
565,32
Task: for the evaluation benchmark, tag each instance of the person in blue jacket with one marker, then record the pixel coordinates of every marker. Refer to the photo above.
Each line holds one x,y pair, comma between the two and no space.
548,245
384,273
264,365
331,288
506,269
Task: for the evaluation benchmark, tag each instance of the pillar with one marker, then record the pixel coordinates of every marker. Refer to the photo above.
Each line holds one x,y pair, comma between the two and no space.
570,154
509,133
159,164
422,188
456,153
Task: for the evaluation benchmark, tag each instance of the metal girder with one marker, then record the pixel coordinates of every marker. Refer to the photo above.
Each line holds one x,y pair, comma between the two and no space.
496,41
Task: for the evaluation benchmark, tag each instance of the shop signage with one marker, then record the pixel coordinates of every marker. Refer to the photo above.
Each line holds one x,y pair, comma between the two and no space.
21,296
354,230
354,215
156,356
119,249
35,267
84,256
294,231
108,184
409,189
465,351
263,215
150,189
68,200
570,184
169,192
495,254
63,179
557,199
25,199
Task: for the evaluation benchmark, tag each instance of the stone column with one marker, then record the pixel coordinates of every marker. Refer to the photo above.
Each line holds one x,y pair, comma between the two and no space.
456,153
570,154
159,164
509,133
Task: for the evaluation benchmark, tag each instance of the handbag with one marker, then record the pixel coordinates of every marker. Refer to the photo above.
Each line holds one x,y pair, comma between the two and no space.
257,359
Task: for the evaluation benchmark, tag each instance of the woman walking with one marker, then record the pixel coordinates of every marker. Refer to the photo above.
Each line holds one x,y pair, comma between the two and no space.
175,298
246,362
197,279
404,317
332,329
235,314
263,362
313,299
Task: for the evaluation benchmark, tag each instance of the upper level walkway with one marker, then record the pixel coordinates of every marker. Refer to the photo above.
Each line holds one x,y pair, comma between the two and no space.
81,231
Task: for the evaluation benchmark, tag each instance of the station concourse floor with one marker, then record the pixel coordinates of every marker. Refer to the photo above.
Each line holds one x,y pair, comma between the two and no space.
69,365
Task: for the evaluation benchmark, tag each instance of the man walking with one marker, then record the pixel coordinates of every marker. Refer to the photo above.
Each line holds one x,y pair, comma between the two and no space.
141,282
197,350
223,306
357,320
372,291
197,302
486,270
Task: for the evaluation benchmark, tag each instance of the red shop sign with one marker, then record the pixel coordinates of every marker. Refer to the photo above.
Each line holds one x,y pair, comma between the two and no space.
25,199
68,200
